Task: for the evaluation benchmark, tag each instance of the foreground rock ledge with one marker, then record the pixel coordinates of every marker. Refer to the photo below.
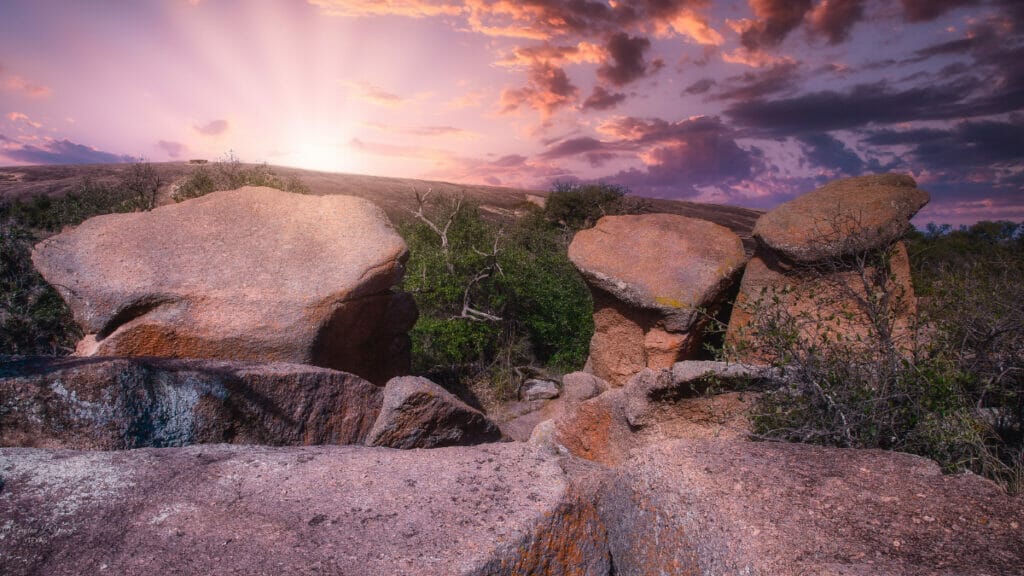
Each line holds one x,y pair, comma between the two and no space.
247,274
718,507
500,509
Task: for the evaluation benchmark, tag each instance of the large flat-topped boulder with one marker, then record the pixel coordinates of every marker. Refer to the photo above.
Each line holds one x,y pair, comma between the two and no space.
721,507
843,217
122,403
247,274
500,509
652,276
663,262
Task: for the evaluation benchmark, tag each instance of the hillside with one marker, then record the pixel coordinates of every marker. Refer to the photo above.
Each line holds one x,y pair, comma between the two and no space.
395,195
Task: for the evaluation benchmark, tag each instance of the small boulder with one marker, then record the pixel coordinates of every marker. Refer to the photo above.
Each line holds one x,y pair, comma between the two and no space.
538,389
249,274
417,413
652,275
843,217
580,386
125,403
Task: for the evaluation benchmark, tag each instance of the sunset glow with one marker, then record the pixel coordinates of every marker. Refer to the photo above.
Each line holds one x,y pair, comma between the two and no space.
742,102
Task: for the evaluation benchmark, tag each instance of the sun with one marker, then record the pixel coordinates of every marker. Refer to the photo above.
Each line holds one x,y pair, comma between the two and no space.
325,157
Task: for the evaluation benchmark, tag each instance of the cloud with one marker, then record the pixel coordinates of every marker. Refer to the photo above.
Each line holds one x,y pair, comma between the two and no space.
423,131
212,128
61,152
626,63
20,117
547,53
775,19
172,149
18,84
781,77
966,145
472,99
574,146
602,99
835,18
924,10
548,89
701,86
826,151
409,8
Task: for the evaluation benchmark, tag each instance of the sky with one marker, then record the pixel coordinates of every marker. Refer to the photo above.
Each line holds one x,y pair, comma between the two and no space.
745,102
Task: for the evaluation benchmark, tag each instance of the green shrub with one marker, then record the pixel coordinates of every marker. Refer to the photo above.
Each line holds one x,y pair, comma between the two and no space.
576,206
230,174
33,317
494,302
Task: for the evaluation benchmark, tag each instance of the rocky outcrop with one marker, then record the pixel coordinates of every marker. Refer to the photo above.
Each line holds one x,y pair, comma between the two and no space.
249,274
500,509
418,413
118,403
810,264
580,386
538,389
651,276
717,507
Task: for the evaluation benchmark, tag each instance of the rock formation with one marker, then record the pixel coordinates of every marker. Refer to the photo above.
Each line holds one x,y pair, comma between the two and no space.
811,261
651,276
489,510
248,274
418,413
122,403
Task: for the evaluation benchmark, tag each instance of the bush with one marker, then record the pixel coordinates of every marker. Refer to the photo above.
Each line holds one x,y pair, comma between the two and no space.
575,206
494,302
230,174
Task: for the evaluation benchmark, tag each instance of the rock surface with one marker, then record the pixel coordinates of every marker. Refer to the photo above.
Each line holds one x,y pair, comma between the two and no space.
580,386
651,276
537,389
827,303
716,507
248,274
500,509
417,413
843,217
117,403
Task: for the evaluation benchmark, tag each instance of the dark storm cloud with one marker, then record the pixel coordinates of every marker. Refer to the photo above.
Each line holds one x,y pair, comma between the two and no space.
701,86
826,151
626,60
835,18
61,152
775,20
575,146
679,156
977,144
602,99
864,105
753,85
923,10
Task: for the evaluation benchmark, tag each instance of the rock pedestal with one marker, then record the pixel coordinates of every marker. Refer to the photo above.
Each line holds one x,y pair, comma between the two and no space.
821,257
652,277
248,274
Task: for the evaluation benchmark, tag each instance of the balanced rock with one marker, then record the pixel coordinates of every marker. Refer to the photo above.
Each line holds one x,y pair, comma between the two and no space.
843,217
418,413
726,507
501,509
247,274
652,276
118,403
824,258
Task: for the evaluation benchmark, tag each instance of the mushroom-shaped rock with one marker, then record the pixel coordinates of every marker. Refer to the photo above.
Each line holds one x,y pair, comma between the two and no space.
247,274
125,403
418,413
651,276
843,217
